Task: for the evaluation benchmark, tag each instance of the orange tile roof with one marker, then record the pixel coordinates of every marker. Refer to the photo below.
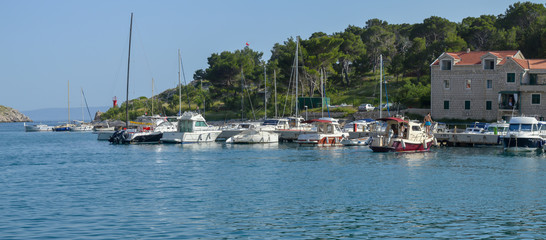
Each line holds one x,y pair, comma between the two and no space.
537,63
474,57
524,63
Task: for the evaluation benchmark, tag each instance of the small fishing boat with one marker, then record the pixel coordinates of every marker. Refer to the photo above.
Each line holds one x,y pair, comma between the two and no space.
233,129
192,128
37,128
81,126
524,134
327,133
401,136
63,127
150,129
257,135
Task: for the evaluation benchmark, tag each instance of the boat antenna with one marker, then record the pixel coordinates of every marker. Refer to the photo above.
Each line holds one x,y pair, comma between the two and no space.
128,65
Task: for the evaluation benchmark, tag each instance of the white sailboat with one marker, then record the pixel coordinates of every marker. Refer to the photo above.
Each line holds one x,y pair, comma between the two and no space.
82,126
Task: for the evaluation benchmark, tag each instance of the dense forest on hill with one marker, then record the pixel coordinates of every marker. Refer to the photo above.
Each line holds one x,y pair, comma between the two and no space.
347,63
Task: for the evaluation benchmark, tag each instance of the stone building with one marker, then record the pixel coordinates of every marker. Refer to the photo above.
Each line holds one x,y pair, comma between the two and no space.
490,85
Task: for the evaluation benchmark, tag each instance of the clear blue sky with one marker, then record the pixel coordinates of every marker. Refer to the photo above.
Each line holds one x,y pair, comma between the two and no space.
45,44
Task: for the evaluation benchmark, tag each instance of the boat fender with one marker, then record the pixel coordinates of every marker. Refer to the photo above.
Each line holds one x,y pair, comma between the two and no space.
435,142
403,144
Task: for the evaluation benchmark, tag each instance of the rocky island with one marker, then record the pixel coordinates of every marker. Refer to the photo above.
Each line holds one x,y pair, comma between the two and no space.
8,114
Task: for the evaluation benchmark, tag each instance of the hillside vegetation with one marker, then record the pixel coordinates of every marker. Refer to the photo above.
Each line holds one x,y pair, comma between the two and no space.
346,65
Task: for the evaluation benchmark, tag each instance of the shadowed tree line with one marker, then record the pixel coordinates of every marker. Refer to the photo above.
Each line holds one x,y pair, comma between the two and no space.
350,59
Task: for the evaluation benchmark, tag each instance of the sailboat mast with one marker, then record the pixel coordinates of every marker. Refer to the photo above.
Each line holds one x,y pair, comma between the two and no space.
152,96
381,86
297,66
275,81
87,106
242,95
68,102
265,92
322,93
81,101
179,86
128,65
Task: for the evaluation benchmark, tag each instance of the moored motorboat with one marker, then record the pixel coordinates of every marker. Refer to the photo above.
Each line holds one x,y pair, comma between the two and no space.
192,128
149,129
63,127
401,136
524,134
258,135
327,133
81,126
37,128
233,129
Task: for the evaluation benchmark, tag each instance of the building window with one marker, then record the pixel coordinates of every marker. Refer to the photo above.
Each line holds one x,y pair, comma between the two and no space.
446,84
535,99
468,83
533,79
510,77
489,84
489,64
467,105
446,104
488,105
446,64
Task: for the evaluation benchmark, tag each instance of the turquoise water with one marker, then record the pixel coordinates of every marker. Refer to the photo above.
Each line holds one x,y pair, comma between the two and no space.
71,186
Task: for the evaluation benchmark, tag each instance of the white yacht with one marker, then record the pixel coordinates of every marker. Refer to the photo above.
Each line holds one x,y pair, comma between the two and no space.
233,129
524,134
192,128
257,135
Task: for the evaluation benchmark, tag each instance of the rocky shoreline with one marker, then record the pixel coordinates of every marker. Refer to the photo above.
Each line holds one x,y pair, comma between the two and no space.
8,114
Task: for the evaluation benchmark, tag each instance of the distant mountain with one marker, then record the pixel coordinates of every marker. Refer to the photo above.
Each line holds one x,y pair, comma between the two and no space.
61,114
8,114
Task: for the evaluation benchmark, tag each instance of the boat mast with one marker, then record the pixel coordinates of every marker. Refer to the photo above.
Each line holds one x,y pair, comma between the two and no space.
265,92
128,65
275,81
381,86
87,106
186,83
68,102
152,96
297,65
321,93
81,103
242,94
179,86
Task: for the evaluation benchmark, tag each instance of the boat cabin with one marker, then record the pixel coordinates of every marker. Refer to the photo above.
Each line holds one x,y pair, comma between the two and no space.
190,122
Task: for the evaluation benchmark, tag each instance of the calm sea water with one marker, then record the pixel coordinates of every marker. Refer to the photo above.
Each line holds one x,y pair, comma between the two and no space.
71,186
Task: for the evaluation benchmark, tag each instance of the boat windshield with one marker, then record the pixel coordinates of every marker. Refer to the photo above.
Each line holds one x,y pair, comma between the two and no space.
514,127
527,127
200,124
270,122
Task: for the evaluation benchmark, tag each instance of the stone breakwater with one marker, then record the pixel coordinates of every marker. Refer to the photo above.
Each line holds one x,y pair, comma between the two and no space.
8,114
